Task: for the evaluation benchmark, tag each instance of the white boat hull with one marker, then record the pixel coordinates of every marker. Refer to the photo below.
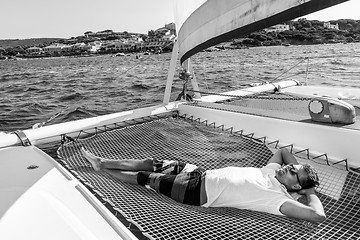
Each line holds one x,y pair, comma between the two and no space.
59,201
41,200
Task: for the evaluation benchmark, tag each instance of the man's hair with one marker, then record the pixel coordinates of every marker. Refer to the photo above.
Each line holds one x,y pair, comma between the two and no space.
313,179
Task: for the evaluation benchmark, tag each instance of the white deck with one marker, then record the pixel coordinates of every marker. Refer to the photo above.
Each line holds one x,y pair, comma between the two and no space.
40,200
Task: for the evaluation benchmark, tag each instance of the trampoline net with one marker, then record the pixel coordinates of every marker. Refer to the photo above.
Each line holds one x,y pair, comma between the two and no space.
150,215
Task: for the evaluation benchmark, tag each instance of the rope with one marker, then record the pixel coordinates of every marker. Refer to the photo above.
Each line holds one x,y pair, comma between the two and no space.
41,124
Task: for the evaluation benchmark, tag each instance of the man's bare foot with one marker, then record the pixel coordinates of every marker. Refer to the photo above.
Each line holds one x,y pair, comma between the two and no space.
94,160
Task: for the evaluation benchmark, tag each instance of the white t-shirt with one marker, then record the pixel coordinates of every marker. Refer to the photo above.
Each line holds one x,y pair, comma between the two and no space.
246,188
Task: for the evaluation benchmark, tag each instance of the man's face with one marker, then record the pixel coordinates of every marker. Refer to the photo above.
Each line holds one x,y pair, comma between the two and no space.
292,176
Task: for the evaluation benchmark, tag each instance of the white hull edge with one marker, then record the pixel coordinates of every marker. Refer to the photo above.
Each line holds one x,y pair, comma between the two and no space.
51,133
324,91
41,200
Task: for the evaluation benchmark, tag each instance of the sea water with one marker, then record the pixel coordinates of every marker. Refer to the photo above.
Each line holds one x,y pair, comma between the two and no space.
36,90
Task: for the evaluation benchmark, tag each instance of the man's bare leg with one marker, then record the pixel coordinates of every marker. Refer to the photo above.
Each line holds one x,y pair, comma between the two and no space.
99,163
124,176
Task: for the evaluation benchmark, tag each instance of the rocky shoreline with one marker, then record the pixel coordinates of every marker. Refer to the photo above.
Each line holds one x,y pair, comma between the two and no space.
301,32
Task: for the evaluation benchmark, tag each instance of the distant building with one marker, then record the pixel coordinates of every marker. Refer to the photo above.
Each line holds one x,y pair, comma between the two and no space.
95,46
278,28
114,46
34,50
328,25
163,31
136,46
121,46
81,47
163,39
104,33
171,27
67,48
53,49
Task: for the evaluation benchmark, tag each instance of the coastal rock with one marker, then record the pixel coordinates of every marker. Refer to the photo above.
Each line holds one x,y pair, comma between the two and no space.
303,32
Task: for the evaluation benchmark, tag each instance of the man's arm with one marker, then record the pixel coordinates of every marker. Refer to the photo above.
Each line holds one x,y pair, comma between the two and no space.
283,156
312,212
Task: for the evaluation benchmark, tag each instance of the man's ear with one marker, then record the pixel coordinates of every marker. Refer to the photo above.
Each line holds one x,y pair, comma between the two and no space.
296,187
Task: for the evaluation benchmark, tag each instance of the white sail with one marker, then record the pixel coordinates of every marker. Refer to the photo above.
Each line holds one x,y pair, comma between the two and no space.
183,9
207,23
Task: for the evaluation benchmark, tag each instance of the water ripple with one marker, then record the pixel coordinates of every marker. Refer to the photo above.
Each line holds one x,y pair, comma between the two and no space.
33,90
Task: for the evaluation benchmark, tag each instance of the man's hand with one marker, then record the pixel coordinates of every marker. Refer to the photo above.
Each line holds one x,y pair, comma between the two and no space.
308,207
305,192
283,156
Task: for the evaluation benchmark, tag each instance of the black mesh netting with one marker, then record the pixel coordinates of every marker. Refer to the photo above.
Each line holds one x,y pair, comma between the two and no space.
152,215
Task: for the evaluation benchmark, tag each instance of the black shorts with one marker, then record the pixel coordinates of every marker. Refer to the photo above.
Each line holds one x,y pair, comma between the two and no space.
183,187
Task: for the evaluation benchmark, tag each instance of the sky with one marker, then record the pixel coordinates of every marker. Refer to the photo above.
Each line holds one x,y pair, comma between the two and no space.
20,19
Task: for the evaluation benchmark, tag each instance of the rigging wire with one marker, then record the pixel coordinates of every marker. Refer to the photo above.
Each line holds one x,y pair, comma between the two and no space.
54,116
138,63
204,72
281,77
263,81
276,78
307,70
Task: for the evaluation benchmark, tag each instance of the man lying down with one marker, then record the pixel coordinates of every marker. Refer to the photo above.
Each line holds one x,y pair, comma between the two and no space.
265,189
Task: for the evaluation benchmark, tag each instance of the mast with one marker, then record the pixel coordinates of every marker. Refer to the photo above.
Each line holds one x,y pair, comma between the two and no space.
171,72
